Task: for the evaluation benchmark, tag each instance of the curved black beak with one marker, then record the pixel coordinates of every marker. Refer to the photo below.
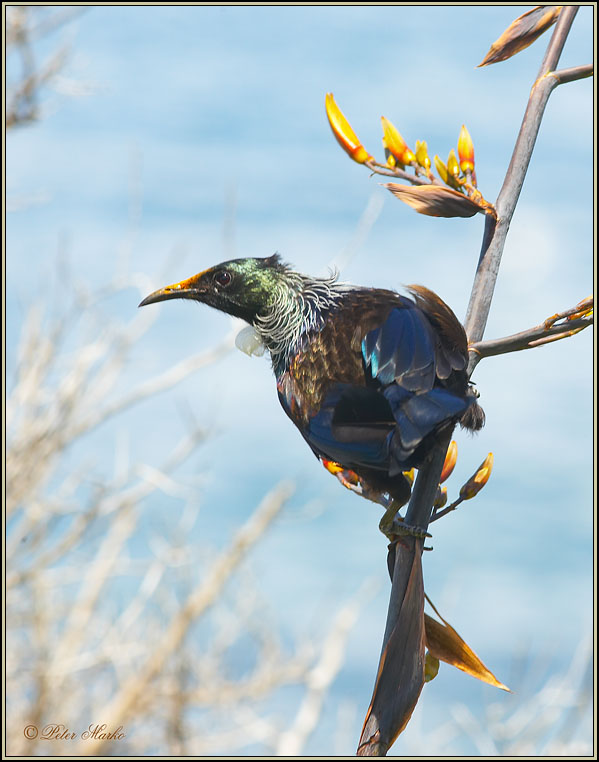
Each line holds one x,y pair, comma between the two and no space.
186,289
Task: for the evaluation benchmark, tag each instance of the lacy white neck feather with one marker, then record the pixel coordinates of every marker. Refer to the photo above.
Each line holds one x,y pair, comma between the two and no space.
300,305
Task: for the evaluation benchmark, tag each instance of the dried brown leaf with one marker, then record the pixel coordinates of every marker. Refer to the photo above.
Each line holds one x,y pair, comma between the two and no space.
435,200
444,643
521,33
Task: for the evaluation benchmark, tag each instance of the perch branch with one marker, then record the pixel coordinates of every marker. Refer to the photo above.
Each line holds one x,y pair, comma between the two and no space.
575,72
555,328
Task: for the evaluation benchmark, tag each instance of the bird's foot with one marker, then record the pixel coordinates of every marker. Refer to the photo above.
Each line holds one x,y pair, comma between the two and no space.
392,525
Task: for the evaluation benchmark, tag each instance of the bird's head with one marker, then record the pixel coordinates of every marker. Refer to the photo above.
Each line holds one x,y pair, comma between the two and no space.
244,288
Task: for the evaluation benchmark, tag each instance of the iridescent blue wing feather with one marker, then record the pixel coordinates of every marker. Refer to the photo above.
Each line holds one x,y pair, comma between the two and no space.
402,350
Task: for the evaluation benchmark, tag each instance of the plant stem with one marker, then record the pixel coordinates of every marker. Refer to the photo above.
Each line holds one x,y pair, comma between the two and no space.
494,240
574,73
533,337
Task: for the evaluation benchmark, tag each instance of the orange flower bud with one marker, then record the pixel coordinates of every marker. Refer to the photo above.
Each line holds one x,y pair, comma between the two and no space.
474,485
343,132
422,154
395,144
450,461
466,151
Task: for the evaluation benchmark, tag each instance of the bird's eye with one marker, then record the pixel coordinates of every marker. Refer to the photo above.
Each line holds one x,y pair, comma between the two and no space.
222,278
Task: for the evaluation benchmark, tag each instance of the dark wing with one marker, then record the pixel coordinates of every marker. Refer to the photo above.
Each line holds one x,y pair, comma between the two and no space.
353,426
402,350
403,398
412,354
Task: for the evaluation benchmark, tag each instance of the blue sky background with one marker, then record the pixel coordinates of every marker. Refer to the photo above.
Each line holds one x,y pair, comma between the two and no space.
216,114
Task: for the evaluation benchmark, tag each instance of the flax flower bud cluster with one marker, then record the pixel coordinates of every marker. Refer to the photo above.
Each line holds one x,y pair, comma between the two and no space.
452,192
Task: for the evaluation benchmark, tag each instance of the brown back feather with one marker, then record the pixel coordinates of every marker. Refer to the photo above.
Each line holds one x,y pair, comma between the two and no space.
453,343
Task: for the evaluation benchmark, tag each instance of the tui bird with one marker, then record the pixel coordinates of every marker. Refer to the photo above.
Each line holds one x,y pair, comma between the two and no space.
370,378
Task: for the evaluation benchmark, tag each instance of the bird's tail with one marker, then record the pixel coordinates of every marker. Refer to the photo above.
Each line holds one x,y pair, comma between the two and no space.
474,417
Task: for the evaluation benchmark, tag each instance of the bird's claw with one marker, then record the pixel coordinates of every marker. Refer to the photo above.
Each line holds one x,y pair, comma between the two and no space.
400,528
393,526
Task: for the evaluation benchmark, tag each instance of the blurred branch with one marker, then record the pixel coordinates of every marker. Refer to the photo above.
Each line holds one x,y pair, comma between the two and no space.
171,377
112,497
23,107
23,25
528,723
46,414
43,26
320,677
123,704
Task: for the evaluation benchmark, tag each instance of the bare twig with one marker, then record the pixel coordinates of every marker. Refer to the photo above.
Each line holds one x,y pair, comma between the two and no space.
533,337
573,73
448,509
321,676
23,96
381,169
153,386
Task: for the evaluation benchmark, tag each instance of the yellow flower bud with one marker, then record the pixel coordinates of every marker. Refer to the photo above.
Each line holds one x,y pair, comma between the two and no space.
441,169
453,167
422,154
